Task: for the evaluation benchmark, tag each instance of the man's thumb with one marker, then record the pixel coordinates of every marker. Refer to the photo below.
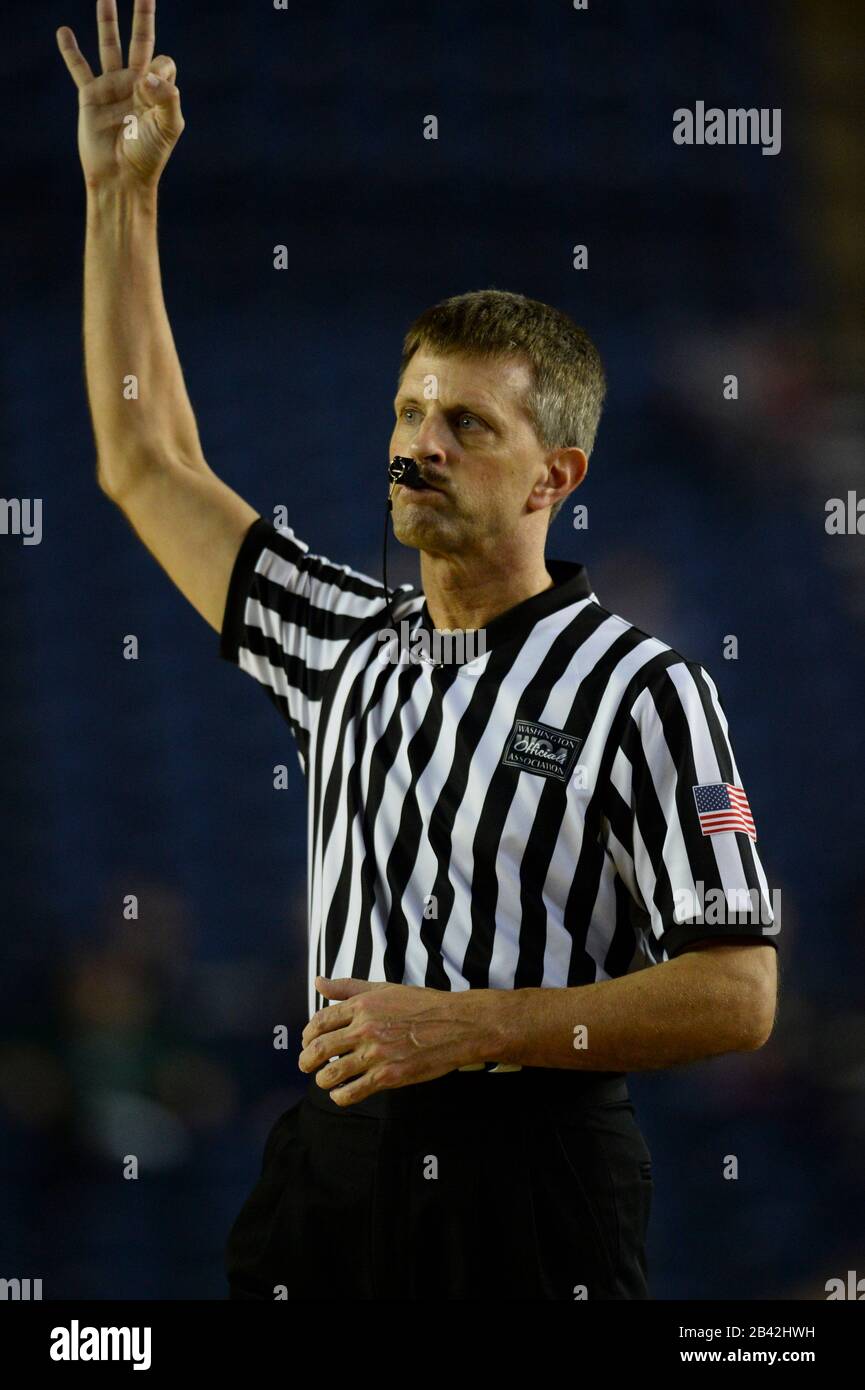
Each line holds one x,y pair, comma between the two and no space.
346,988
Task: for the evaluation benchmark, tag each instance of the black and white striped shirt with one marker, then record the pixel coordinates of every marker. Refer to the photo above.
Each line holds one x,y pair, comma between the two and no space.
523,818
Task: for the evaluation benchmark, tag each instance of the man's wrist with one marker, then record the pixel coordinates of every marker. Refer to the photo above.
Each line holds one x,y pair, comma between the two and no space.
120,201
496,1023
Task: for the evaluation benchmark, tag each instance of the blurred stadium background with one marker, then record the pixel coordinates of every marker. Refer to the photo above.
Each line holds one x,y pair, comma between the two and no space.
706,518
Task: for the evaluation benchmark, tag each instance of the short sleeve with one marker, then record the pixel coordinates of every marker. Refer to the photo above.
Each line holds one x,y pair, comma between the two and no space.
678,823
289,616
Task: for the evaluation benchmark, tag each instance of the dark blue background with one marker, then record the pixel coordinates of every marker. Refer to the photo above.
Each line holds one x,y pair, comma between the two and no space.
706,518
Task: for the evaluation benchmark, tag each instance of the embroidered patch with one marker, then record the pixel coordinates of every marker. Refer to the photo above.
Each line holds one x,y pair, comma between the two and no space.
540,749
721,806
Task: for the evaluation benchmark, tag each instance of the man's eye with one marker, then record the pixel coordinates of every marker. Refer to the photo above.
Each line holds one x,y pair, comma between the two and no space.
407,411
466,416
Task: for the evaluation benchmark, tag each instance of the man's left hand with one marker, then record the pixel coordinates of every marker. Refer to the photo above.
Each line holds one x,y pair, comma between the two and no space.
383,1036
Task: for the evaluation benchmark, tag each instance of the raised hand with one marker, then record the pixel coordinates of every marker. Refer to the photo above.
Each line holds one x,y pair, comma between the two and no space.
127,125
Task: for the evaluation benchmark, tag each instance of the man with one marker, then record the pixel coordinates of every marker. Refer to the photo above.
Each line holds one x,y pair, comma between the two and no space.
498,845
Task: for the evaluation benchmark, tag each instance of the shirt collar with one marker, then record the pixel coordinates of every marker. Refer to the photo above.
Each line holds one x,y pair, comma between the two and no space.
570,585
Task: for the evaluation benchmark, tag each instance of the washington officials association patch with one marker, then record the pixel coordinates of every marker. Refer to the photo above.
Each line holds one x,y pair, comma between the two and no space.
541,749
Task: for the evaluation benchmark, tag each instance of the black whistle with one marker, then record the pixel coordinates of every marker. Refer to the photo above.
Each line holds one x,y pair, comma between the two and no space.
404,471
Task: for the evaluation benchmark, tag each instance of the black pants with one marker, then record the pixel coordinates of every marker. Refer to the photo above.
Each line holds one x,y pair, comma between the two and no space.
533,1184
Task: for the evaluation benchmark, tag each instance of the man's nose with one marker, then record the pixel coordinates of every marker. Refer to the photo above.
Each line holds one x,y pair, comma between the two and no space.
429,443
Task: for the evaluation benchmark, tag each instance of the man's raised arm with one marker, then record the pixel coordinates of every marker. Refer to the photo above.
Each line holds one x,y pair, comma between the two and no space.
149,457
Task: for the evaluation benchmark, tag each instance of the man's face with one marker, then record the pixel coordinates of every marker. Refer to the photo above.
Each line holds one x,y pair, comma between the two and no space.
463,421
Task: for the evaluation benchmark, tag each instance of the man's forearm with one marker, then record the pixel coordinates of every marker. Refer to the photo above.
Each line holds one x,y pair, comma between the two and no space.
138,400
675,1012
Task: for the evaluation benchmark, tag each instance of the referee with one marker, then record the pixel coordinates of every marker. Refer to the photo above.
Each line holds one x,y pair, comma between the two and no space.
511,846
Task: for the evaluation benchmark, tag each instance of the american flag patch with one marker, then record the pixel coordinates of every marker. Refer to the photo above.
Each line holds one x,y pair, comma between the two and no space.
723,807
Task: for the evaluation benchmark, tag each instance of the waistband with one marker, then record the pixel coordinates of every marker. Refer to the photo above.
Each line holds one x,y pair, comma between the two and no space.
485,1091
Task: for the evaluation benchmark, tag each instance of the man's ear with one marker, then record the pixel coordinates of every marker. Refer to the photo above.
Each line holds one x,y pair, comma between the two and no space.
567,469
575,462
